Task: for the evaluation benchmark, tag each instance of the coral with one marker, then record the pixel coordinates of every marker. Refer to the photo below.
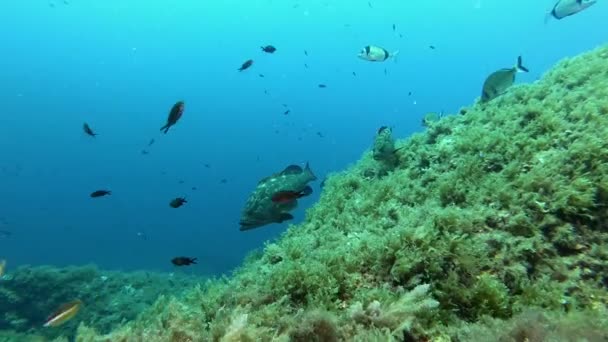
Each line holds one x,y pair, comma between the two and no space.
484,216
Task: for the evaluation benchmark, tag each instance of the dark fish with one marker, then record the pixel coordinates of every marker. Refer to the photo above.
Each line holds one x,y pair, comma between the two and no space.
100,193
322,86
269,49
207,165
432,47
285,105
151,142
144,152
265,91
181,181
394,27
183,261
306,65
5,234
246,65
142,235
499,81
175,114
224,181
369,4
286,112
306,52
385,71
320,134
289,195
177,202
409,93
194,188
261,75
354,73
87,130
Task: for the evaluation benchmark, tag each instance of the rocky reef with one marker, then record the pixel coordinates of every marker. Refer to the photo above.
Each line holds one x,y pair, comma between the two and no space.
29,294
490,227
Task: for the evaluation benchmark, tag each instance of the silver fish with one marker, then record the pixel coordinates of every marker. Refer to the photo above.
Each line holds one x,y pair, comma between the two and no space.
499,81
566,8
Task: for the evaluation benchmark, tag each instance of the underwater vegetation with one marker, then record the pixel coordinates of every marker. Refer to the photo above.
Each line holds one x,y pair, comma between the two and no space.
489,226
28,295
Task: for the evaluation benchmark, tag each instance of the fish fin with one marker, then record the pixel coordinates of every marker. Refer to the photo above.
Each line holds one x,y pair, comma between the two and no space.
305,192
193,260
166,128
307,168
292,170
520,67
548,17
394,54
285,217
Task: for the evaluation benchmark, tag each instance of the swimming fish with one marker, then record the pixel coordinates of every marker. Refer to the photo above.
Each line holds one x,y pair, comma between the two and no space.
499,81
269,49
2,267
246,65
175,114
566,8
63,314
87,130
322,85
286,196
376,54
183,261
177,202
100,193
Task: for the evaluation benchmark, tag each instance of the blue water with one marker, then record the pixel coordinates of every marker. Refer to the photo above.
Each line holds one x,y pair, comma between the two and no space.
120,65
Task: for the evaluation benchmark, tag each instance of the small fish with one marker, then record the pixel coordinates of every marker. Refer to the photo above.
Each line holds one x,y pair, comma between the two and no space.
376,54
286,112
499,81
261,75
181,181
566,8
385,71
409,93
142,236
305,52
287,196
207,165
2,267
394,27
306,65
151,142
194,188
320,135
354,73
246,65
269,49
63,314
87,130
100,193
265,91
175,114
5,234
177,202
183,261
369,4
144,152
285,105
432,47
224,181
322,85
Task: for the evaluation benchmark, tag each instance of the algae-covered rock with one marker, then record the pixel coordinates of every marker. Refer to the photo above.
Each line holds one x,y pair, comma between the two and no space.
28,295
484,217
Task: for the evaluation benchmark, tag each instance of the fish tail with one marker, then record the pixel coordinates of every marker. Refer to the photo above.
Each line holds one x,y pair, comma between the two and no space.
307,168
394,54
520,66
548,16
166,128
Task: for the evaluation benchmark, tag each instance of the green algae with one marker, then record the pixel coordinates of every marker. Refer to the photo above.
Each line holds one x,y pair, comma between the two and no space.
29,294
491,227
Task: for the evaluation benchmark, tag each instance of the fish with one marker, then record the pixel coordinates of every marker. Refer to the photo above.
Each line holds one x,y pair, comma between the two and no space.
175,114
224,181
305,52
432,47
499,81
63,314
269,49
384,146
306,65
87,130
374,53
285,196
394,27
2,267
151,142
566,8
260,210
354,73
261,75
320,135
144,152
183,261
177,202
322,85
246,65
100,193
5,234
286,112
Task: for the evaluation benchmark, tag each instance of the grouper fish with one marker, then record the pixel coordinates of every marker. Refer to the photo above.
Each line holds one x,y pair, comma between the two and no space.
260,208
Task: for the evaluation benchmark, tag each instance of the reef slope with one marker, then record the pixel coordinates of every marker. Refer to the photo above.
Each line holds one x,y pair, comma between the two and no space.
492,226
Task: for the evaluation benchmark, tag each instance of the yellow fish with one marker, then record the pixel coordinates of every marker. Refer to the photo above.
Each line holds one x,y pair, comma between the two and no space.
2,267
63,314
